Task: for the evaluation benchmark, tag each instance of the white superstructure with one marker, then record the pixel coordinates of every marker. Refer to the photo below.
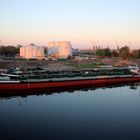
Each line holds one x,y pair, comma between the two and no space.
32,51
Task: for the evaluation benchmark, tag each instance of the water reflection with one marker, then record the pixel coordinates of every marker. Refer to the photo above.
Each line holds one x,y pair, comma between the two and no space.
24,98
135,86
102,113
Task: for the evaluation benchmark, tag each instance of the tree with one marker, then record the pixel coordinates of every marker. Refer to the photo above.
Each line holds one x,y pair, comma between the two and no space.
139,53
135,54
115,53
124,52
8,51
107,52
104,52
100,52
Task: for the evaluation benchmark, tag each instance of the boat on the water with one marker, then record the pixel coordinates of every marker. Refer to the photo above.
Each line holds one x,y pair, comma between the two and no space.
29,86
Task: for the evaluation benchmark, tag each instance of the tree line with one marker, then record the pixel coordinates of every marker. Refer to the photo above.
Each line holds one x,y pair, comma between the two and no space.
9,51
123,53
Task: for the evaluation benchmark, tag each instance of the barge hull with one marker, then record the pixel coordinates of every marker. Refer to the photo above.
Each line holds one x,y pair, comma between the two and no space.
32,87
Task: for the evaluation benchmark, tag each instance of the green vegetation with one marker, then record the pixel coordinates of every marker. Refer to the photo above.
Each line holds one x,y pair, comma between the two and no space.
9,51
135,54
123,53
115,53
104,52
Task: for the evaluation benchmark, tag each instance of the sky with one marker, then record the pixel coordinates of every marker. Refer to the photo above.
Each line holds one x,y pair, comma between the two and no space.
82,22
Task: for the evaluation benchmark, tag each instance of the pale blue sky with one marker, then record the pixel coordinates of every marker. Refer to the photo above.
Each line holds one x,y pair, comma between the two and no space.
79,21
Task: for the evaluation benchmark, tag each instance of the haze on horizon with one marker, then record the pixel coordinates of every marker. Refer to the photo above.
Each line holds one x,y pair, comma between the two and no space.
83,22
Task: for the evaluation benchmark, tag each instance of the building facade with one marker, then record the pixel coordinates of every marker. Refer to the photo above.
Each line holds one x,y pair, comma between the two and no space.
59,50
32,52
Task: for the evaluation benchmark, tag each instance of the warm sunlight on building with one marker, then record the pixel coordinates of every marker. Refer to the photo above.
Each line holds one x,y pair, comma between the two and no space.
59,50
32,52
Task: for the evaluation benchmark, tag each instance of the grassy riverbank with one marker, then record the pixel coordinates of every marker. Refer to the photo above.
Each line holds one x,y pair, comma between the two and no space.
70,64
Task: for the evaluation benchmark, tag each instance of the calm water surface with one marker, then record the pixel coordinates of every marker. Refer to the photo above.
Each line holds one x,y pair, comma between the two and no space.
110,113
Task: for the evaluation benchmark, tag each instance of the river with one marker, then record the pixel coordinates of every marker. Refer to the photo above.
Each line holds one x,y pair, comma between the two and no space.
103,113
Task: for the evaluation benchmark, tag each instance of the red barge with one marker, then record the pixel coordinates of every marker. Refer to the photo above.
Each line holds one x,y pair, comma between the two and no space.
29,86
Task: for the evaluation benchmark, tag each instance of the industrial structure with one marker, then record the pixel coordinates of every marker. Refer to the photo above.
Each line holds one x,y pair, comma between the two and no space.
32,52
59,50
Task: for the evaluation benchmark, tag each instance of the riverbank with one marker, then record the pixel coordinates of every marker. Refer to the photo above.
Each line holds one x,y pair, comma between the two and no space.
70,64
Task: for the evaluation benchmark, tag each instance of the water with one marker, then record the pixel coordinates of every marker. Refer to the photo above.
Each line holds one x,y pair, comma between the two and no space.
109,113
